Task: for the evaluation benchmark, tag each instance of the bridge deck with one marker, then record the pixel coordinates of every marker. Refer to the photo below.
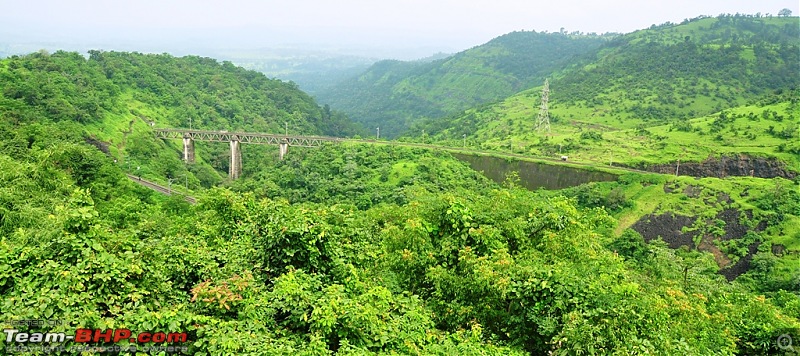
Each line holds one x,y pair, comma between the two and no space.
245,137
316,141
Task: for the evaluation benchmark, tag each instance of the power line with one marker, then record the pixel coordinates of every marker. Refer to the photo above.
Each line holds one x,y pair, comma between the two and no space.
543,121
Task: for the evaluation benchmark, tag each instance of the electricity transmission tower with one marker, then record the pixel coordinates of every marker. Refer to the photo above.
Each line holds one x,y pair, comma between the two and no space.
543,121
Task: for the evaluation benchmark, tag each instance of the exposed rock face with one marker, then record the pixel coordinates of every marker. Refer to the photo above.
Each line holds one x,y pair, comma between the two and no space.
743,265
726,166
102,146
669,227
734,229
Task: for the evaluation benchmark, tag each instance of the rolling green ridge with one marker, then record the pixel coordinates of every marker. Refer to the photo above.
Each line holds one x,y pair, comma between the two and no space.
115,97
476,271
374,249
707,87
67,86
395,94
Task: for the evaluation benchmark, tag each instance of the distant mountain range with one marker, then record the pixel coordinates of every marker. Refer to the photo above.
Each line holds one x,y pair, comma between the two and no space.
665,72
395,94
706,87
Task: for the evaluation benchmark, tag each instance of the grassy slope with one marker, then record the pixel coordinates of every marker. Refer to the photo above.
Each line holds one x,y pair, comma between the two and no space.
509,122
703,198
620,106
663,143
712,202
395,94
115,96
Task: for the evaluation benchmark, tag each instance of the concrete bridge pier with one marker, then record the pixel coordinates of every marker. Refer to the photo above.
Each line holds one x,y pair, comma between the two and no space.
188,149
284,147
235,169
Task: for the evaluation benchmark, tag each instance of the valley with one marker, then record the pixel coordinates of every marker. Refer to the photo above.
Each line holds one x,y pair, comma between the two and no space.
659,213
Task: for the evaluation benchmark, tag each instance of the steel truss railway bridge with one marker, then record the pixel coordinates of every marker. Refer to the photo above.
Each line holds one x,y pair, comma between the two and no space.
236,139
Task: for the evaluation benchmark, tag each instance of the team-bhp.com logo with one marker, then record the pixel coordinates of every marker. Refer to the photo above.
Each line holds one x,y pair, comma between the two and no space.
97,336
88,335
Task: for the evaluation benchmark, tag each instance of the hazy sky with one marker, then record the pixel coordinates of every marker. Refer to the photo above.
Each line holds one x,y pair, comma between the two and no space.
437,25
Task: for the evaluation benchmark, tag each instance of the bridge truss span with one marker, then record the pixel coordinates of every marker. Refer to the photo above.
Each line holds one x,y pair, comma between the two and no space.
245,137
237,138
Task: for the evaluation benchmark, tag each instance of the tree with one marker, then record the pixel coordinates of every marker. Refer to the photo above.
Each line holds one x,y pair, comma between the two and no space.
785,13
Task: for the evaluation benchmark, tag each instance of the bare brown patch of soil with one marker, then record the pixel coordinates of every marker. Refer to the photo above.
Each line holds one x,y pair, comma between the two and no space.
707,244
670,228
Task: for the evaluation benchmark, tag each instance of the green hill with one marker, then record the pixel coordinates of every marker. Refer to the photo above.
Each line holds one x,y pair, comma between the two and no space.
114,97
395,94
488,272
672,72
707,87
349,249
214,95
712,97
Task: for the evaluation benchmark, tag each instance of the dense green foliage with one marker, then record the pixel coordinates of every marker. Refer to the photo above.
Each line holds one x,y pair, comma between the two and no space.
367,249
502,272
67,86
690,91
117,96
363,175
395,94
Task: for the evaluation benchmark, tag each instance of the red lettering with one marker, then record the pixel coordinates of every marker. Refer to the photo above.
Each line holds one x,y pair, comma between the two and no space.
106,335
83,335
159,337
177,337
144,337
121,334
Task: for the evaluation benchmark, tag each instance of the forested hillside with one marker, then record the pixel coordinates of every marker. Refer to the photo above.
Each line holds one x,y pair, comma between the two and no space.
395,94
115,97
371,249
680,71
706,87
67,86
479,271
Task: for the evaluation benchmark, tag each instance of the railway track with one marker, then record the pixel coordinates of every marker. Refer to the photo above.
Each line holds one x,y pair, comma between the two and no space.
159,188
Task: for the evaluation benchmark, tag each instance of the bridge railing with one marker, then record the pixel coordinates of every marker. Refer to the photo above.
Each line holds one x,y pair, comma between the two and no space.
245,137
